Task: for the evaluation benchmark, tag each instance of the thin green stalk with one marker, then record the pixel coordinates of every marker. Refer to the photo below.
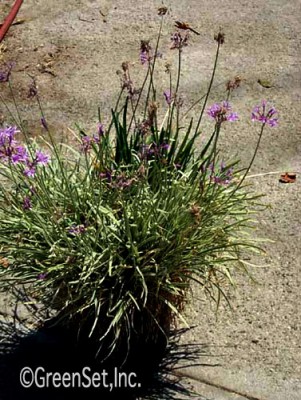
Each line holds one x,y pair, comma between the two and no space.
19,117
16,106
209,89
214,150
178,77
8,110
57,154
250,165
170,92
115,110
176,91
228,95
179,71
133,111
138,100
152,68
200,99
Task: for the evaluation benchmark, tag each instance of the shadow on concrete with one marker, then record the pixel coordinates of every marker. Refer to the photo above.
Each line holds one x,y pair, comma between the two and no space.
55,350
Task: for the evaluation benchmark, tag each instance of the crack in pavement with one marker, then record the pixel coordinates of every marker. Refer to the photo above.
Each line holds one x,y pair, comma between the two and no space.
216,385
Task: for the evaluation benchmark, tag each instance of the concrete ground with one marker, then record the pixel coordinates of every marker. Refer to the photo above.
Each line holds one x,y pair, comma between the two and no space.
74,48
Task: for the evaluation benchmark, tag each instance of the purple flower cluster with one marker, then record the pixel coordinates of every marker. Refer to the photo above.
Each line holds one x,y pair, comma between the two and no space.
144,57
27,203
145,52
222,112
88,141
5,73
122,182
11,151
222,176
100,130
168,96
107,175
153,150
44,123
7,142
77,229
265,114
144,127
33,89
126,81
178,40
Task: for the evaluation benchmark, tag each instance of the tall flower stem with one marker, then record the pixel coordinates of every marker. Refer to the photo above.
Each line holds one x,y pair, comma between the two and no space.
176,90
8,110
17,110
56,153
200,99
19,117
250,165
138,100
209,89
152,68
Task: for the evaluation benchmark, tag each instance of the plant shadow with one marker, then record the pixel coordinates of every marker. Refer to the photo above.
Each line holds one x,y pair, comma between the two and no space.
51,349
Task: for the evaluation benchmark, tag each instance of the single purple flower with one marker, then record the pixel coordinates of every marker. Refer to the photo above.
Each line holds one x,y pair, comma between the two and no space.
29,171
224,175
145,52
20,155
86,143
95,139
42,276
109,176
41,158
164,146
106,175
7,142
7,135
77,229
33,89
232,117
167,95
5,73
220,180
265,114
4,76
144,57
211,167
100,130
154,150
44,123
222,112
27,203
122,182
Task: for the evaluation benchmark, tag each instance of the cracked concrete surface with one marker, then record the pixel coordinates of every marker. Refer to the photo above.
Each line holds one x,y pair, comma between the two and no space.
82,44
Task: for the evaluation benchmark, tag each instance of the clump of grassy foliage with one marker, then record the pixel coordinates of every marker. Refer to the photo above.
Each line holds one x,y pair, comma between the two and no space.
112,234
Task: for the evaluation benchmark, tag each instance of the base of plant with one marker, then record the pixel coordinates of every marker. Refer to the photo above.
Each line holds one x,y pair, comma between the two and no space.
58,349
